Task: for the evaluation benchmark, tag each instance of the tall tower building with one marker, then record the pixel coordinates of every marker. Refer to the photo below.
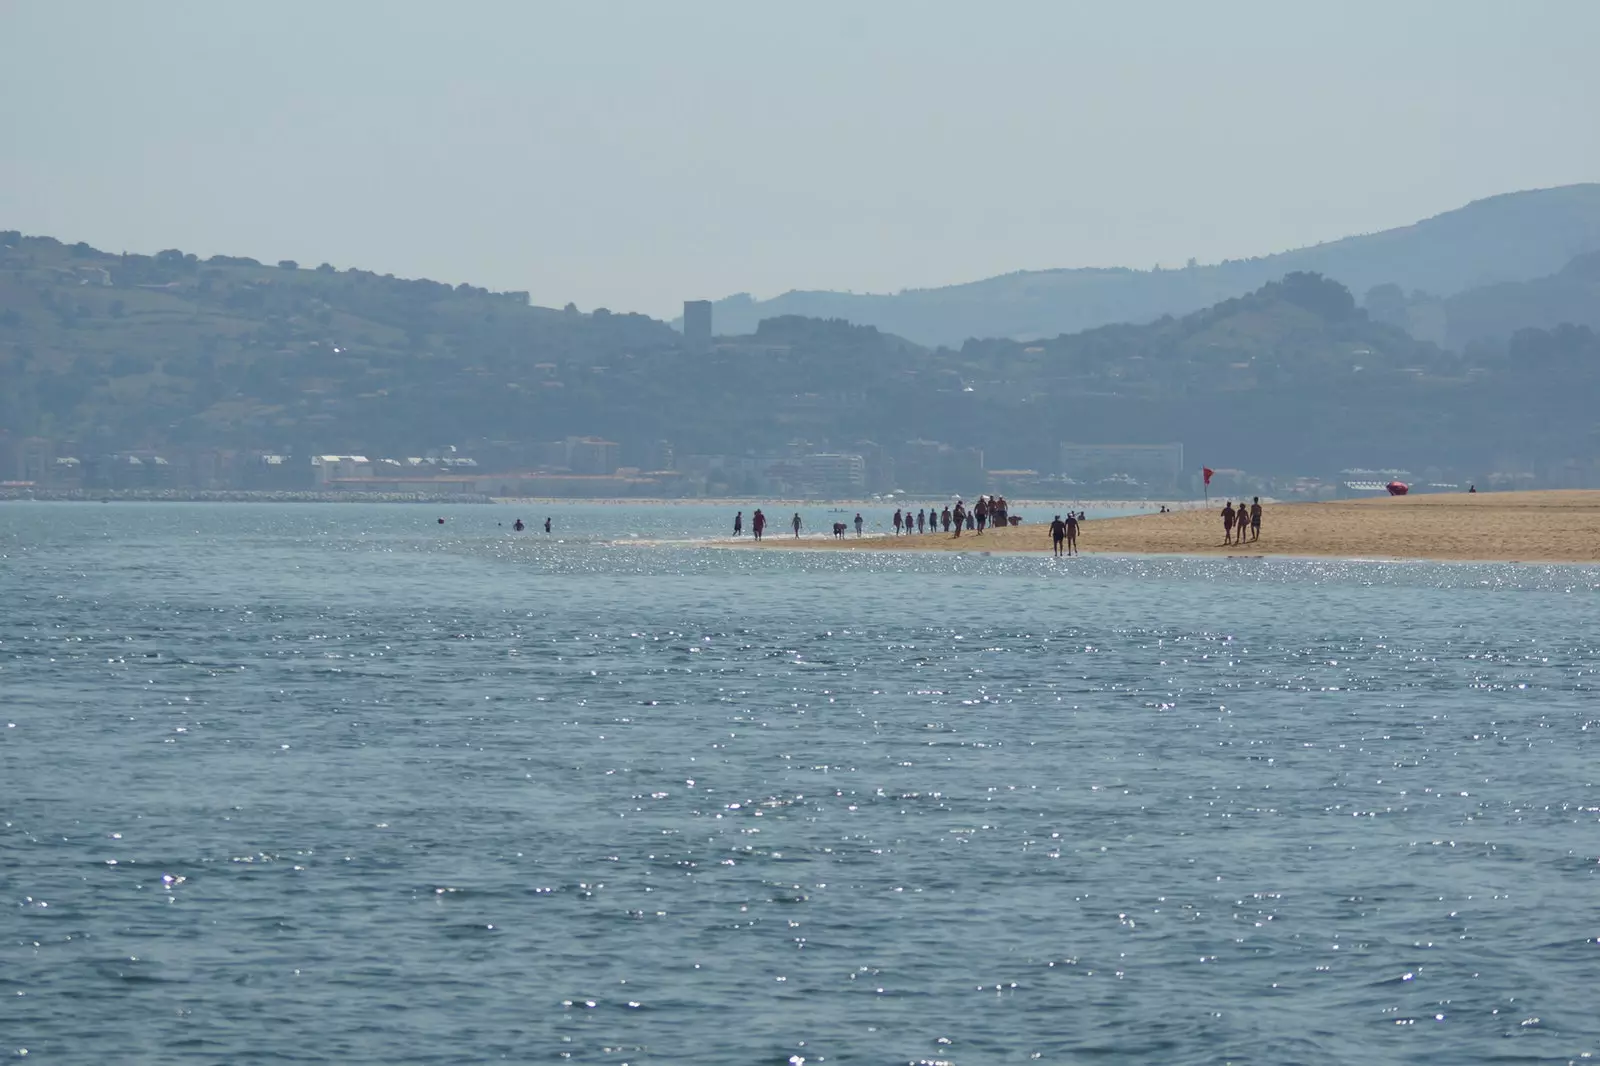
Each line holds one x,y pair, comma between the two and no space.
697,325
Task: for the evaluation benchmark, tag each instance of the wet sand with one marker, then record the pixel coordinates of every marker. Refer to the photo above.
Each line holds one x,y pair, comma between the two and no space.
1545,526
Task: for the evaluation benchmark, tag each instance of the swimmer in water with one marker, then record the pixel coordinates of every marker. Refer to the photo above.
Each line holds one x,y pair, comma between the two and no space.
519,527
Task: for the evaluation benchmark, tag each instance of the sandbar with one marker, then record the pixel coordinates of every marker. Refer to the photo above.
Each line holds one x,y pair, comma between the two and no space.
1540,526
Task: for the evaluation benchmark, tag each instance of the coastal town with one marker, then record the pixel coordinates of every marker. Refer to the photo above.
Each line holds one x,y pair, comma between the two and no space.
592,467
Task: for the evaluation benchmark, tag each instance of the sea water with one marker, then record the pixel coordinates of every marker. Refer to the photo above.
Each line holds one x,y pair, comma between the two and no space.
344,784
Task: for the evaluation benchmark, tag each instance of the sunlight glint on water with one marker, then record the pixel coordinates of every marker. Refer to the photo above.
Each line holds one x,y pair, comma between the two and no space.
342,784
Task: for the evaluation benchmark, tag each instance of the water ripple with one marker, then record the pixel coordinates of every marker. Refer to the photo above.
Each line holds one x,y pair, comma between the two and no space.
326,784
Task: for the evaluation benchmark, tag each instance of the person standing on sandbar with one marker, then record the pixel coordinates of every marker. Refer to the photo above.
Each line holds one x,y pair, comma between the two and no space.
1227,523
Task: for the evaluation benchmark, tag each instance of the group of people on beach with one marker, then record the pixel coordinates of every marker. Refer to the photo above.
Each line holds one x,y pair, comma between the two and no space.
1239,524
1245,520
1064,533
758,524
988,511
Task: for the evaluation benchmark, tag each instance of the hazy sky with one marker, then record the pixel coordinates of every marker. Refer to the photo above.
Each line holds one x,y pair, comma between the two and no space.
632,155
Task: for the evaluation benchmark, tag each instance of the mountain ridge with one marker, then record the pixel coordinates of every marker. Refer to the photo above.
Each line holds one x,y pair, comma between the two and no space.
1508,237
117,353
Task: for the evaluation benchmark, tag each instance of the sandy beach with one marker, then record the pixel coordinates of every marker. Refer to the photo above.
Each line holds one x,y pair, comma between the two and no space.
1545,526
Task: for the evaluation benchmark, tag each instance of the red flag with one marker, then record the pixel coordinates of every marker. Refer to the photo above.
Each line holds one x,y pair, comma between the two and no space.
1207,471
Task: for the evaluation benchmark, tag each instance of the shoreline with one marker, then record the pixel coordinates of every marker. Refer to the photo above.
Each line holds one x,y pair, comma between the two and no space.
234,496
732,503
748,503
1543,526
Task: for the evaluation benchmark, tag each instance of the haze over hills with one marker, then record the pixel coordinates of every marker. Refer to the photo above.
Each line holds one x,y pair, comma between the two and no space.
139,351
1508,238
1494,313
106,355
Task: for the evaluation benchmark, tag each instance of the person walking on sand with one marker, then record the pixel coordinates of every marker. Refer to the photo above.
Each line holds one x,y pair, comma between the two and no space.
945,518
1072,533
897,522
758,524
738,524
960,516
795,522
920,516
1227,523
1058,534
859,523
980,513
1255,518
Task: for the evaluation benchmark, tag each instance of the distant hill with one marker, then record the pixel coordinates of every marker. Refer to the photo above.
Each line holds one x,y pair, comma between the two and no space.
113,353
1513,237
145,351
1293,376
1493,313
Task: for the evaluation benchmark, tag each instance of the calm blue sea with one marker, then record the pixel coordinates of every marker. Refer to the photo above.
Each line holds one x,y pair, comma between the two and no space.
340,784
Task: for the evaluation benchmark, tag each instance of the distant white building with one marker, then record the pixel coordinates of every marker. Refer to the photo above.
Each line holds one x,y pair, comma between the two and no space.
826,474
592,455
326,468
1155,466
